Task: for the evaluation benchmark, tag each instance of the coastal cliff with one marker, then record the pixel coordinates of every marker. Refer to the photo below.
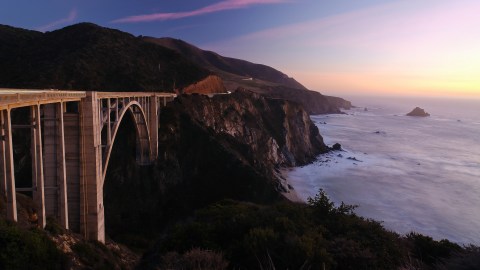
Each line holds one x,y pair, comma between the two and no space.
340,102
277,132
225,147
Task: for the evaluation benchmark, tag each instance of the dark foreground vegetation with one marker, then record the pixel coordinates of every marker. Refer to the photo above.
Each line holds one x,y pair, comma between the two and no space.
25,246
284,235
28,249
232,234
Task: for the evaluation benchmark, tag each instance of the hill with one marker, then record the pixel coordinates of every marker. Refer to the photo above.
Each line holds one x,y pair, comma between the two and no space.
86,56
256,77
233,71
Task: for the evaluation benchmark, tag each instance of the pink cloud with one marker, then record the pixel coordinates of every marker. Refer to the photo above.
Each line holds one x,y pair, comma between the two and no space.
220,6
72,16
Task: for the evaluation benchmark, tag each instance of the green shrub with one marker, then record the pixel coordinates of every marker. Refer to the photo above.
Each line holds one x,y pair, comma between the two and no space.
194,259
28,249
53,227
430,251
96,255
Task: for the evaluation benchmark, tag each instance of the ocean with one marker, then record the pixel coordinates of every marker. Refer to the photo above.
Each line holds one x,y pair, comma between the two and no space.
418,174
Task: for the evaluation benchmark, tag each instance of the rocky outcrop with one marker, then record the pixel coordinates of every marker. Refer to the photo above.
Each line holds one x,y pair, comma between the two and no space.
418,112
210,85
277,132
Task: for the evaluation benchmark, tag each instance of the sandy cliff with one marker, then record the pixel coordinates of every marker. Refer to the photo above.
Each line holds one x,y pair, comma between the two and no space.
211,84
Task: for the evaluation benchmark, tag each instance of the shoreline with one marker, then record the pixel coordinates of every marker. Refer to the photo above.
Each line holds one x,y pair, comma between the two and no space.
396,183
291,194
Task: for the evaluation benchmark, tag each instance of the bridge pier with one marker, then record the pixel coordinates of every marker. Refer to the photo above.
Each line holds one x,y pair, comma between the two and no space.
92,219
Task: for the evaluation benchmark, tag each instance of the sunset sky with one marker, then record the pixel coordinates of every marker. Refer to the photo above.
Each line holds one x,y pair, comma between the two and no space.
428,47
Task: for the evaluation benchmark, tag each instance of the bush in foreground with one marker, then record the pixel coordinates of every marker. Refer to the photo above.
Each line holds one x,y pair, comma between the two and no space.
28,249
285,236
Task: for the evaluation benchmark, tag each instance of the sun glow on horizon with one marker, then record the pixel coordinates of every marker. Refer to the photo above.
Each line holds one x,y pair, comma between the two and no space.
427,48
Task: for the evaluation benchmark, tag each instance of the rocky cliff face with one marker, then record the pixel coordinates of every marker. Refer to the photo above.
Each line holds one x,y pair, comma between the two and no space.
278,132
215,148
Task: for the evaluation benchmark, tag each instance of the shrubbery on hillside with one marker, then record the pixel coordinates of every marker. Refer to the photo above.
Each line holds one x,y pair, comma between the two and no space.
28,249
297,236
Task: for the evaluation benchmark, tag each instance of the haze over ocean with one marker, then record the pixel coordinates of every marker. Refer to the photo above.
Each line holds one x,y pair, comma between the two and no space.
414,174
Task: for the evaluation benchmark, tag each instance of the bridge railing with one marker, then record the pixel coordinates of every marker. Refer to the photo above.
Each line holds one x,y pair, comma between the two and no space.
14,98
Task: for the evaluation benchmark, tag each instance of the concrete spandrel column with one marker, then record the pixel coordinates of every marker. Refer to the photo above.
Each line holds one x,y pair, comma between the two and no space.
153,127
37,165
92,222
9,168
73,167
3,164
49,144
61,167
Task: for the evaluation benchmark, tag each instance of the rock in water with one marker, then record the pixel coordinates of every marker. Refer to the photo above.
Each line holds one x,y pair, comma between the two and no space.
337,147
418,112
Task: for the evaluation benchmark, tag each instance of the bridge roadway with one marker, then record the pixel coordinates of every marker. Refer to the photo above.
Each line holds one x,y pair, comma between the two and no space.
71,138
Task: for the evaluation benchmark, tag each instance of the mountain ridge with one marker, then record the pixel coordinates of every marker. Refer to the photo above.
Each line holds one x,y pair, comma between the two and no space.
237,73
86,56
222,64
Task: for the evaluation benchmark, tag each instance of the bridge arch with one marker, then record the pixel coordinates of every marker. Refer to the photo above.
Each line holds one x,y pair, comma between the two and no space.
143,139
79,150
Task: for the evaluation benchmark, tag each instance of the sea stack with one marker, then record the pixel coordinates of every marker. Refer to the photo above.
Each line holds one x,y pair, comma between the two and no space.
418,112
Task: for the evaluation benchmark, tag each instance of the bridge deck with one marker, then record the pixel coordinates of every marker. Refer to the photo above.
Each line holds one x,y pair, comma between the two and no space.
14,98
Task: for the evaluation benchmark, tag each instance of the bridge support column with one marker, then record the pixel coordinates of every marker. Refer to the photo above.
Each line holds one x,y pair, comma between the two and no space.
72,158
9,166
61,167
3,162
37,165
153,117
50,130
54,163
92,222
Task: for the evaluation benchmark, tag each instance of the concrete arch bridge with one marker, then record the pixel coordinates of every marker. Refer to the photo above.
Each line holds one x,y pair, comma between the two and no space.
72,134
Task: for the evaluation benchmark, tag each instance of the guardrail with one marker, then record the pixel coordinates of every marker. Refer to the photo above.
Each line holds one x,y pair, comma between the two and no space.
14,98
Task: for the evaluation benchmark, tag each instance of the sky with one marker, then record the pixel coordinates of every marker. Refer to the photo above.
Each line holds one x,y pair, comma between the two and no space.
343,47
